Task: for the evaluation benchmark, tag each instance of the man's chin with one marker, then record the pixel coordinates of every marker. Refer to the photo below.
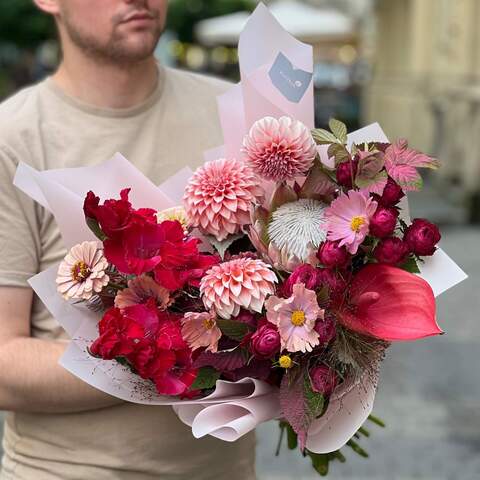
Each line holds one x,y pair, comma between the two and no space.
132,49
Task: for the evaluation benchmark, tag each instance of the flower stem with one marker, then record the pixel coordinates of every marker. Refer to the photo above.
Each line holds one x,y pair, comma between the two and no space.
280,439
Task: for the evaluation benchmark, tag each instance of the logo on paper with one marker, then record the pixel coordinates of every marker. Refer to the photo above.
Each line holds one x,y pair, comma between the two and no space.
291,82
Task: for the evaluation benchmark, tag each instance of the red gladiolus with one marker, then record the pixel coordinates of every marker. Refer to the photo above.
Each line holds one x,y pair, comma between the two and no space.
113,216
188,273
390,304
152,342
118,335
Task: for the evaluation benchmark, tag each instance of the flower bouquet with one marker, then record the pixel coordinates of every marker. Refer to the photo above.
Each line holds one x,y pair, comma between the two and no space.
268,284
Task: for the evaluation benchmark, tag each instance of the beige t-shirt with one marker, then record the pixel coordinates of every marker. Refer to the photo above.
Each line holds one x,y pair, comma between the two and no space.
47,129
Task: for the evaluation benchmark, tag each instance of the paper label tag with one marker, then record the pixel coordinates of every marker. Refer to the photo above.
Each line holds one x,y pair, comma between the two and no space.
290,81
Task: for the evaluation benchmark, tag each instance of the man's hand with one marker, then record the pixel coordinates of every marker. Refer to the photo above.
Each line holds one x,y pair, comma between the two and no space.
30,378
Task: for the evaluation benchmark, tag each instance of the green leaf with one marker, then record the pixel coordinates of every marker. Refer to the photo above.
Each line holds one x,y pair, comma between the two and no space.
410,265
314,401
339,129
232,328
320,462
291,438
317,183
376,421
95,228
323,137
357,448
339,152
222,246
283,194
364,182
206,378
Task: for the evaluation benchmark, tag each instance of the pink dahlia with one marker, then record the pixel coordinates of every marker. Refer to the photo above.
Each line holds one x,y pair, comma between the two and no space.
139,290
280,149
295,318
348,219
82,272
201,330
243,282
219,195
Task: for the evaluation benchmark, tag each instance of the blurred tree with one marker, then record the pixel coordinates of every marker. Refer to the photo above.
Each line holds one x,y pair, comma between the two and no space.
23,25
184,14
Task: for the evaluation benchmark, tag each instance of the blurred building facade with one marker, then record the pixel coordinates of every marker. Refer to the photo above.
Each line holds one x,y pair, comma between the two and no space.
425,83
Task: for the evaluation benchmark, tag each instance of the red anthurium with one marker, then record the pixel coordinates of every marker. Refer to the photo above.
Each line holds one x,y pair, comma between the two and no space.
391,304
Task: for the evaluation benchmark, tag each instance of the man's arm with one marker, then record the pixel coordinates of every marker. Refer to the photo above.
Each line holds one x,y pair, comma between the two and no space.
30,378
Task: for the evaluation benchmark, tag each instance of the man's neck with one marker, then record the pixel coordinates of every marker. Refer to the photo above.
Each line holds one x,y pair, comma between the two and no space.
107,85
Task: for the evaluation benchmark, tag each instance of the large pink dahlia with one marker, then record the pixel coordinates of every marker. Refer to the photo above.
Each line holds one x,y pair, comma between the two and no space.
243,282
219,195
279,149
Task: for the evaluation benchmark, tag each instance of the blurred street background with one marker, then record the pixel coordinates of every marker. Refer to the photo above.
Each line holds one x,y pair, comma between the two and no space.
413,66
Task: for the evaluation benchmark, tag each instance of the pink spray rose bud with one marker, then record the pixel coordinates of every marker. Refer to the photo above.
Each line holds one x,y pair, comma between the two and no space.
422,237
346,172
246,317
305,274
324,380
335,283
265,342
326,329
331,255
391,250
392,194
383,222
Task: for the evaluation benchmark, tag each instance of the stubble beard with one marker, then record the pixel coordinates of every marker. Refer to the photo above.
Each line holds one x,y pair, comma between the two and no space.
116,51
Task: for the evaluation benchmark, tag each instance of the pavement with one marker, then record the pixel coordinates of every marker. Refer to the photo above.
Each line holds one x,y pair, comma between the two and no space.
429,394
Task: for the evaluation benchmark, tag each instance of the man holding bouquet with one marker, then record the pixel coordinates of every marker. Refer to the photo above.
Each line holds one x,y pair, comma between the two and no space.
109,94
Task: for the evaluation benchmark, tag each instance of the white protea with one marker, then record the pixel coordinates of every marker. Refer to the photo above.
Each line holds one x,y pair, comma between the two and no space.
297,227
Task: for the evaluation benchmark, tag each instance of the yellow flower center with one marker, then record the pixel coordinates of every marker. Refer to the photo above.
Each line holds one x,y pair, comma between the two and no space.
209,323
298,318
285,361
356,223
80,271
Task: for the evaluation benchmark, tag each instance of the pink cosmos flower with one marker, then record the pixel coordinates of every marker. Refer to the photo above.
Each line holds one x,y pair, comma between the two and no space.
82,272
295,318
139,290
280,149
201,330
219,196
242,282
348,219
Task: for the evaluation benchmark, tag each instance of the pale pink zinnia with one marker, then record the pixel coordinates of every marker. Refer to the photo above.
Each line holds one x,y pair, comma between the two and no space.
280,149
243,282
201,330
139,290
219,196
295,319
348,219
82,272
